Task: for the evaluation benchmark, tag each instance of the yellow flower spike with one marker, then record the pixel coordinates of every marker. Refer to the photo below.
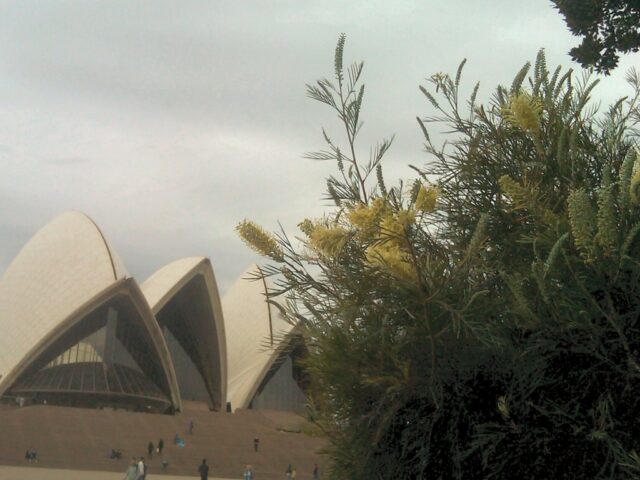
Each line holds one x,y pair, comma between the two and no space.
363,217
634,188
439,77
427,197
394,225
328,240
607,220
583,223
406,217
503,407
366,218
390,227
524,111
390,257
306,226
259,240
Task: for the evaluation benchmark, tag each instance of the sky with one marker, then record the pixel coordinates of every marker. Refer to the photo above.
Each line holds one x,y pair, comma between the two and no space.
169,122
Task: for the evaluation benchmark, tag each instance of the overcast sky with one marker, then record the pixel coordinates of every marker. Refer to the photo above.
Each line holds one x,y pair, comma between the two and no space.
169,122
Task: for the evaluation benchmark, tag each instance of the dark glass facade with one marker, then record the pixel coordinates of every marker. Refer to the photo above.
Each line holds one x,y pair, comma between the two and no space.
105,359
283,387
188,325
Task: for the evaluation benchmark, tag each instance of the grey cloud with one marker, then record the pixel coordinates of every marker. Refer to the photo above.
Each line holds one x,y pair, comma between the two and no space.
66,161
168,122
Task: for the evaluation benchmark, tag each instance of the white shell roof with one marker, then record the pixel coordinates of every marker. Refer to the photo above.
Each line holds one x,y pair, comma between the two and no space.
247,316
166,282
160,286
62,267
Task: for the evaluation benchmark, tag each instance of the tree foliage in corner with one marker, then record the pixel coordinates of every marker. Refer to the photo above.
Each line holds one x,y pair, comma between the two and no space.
485,324
607,28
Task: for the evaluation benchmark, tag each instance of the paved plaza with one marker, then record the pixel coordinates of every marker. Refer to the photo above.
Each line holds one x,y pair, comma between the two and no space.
35,473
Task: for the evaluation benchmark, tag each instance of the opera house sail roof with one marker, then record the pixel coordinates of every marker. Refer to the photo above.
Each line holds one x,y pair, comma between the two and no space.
77,329
256,332
184,298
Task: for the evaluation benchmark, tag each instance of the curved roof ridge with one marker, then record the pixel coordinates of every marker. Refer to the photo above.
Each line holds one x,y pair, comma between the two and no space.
62,266
161,284
119,269
166,284
104,240
248,321
266,296
126,288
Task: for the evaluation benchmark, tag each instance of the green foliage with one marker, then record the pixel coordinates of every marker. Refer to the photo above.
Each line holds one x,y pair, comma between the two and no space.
488,325
607,27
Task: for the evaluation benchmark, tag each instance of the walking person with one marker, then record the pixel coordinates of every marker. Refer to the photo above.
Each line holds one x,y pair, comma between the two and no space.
256,444
150,450
31,455
160,446
248,473
141,469
132,471
203,469
287,472
316,472
190,427
294,474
